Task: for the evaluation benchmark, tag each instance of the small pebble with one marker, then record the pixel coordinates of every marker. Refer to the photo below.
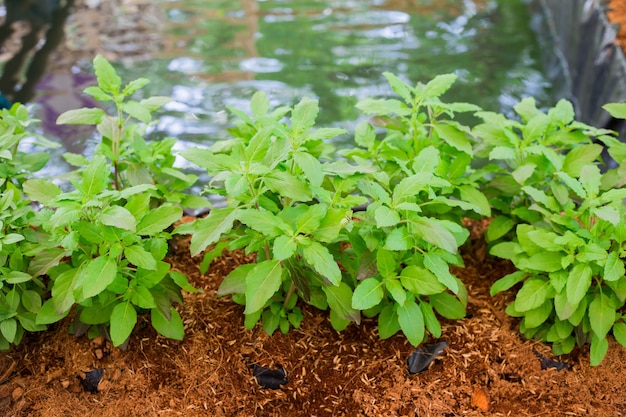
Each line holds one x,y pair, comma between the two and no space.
65,383
98,340
17,393
99,354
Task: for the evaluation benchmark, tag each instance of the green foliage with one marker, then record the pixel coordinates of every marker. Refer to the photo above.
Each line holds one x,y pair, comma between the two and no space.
104,240
567,224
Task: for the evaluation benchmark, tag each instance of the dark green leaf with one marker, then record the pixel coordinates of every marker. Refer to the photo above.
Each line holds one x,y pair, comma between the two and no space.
340,302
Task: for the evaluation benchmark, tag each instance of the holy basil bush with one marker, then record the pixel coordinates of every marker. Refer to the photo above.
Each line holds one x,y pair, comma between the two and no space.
107,236
371,230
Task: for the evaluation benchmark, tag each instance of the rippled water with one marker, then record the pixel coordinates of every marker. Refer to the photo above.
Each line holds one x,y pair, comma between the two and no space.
217,53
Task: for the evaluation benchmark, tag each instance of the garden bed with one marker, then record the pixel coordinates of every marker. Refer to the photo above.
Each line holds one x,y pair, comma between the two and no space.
486,369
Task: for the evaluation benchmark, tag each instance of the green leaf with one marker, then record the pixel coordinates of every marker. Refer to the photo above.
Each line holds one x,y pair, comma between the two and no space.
31,300
303,115
578,282
340,302
8,329
367,294
332,224
619,332
98,274
41,190
411,322
262,282
601,315
499,226
430,320
310,166
395,288
386,263
617,110
263,222
288,186
399,87
173,328
477,198
448,306
159,219
209,229
118,216
533,294
427,160
142,298
235,281
364,134
386,217
522,173
579,157
441,269
410,186
123,320
433,232
95,177
542,261
97,93
107,78
399,239
383,107
140,257
454,137
598,350
420,281
284,247
608,213
320,259
310,220
388,322
63,290
507,282
91,116
439,85
136,110
613,268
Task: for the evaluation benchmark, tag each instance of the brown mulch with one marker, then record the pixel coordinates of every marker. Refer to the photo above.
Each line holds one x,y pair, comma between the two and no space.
487,370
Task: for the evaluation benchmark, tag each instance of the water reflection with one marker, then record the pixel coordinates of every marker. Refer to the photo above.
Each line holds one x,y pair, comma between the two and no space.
211,54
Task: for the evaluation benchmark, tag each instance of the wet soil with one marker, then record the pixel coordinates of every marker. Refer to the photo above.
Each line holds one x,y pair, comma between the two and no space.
487,370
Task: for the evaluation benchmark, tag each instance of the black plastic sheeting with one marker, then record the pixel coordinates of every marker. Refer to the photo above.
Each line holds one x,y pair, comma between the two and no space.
584,64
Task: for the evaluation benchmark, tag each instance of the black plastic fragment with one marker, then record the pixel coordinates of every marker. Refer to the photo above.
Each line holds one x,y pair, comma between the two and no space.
91,380
420,360
269,378
551,363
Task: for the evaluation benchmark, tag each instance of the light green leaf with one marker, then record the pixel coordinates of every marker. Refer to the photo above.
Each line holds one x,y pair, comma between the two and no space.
367,294
499,226
608,213
95,177
477,198
91,116
542,261
427,160
235,282
63,290
441,269
123,320
399,86
320,259
522,173
303,115
107,78
208,230
597,352
310,220
454,137
502,152
8,329
420,281
159,219
439,85
433,232
140,257
288,186
340,301
395,288
388,322
118,216
284,247
448,306
613,268
97,275
41,190
137,110
310,166
507,281
430,320
533,294
399,239
262,282
617,110
173,328
601,315
386,217
386,263
579,157
619,332
411,322
142,298
262,221
578,282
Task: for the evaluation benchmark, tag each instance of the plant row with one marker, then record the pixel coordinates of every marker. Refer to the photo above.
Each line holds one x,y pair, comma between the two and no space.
367,231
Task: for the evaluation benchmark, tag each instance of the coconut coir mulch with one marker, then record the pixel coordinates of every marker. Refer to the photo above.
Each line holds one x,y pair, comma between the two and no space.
487,370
